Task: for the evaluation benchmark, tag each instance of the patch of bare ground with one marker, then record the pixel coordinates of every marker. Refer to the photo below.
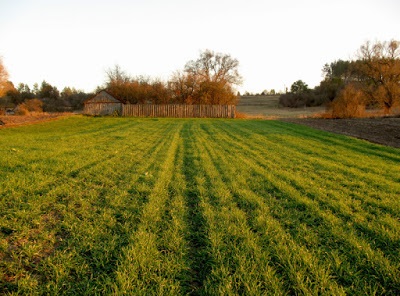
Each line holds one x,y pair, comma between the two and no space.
17,120
381,130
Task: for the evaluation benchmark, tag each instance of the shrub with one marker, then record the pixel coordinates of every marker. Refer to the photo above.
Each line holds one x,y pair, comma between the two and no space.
350,103
29,106
21,109
291,100
34,105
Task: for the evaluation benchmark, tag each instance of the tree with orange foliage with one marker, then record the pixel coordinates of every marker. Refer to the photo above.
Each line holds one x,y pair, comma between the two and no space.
216,74
118,83
378,69
137,90
208,80
184,87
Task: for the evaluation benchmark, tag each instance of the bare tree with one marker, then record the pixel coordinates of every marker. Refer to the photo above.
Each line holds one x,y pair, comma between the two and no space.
116,75
216,67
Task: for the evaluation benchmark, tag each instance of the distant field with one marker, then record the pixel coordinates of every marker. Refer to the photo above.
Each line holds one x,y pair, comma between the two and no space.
268,106
196,206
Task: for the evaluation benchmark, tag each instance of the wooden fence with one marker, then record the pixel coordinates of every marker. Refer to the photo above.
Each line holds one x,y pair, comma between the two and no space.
102,108
179,111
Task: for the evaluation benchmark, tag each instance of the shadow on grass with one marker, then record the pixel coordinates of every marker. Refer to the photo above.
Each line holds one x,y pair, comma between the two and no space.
199,255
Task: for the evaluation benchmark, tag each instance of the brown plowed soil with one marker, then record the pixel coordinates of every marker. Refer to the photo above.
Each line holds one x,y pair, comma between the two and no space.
385,131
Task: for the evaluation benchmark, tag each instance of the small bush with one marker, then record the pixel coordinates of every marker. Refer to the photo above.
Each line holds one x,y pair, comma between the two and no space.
34,105
29,106
21,109
350,103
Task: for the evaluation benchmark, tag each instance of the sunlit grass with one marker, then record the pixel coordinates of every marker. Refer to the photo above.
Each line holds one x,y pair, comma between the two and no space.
196,206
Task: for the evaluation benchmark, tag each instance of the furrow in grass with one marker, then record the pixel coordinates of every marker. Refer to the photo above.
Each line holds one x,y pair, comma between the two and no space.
382,264
348,207
322,153
337,154
302,212
174,240
96,207
333,140
339,205
272,161
349,170
237,207
46,167
239,265
306,275
145,268
41,188
198,256
366,199
128,215
356,145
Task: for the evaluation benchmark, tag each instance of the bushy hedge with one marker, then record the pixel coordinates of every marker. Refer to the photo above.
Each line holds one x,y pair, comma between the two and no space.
298,100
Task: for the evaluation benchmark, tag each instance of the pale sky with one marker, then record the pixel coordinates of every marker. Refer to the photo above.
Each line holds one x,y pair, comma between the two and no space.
72,42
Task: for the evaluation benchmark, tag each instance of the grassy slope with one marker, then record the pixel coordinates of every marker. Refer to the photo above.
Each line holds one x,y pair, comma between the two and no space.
114,205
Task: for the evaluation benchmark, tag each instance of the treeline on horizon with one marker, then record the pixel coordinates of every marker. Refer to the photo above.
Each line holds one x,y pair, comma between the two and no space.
210,80
372,80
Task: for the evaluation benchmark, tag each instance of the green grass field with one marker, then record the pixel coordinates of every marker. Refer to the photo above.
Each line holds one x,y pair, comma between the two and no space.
196,206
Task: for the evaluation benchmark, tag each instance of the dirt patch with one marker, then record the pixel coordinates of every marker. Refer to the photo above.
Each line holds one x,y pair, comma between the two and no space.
16,120
385,131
